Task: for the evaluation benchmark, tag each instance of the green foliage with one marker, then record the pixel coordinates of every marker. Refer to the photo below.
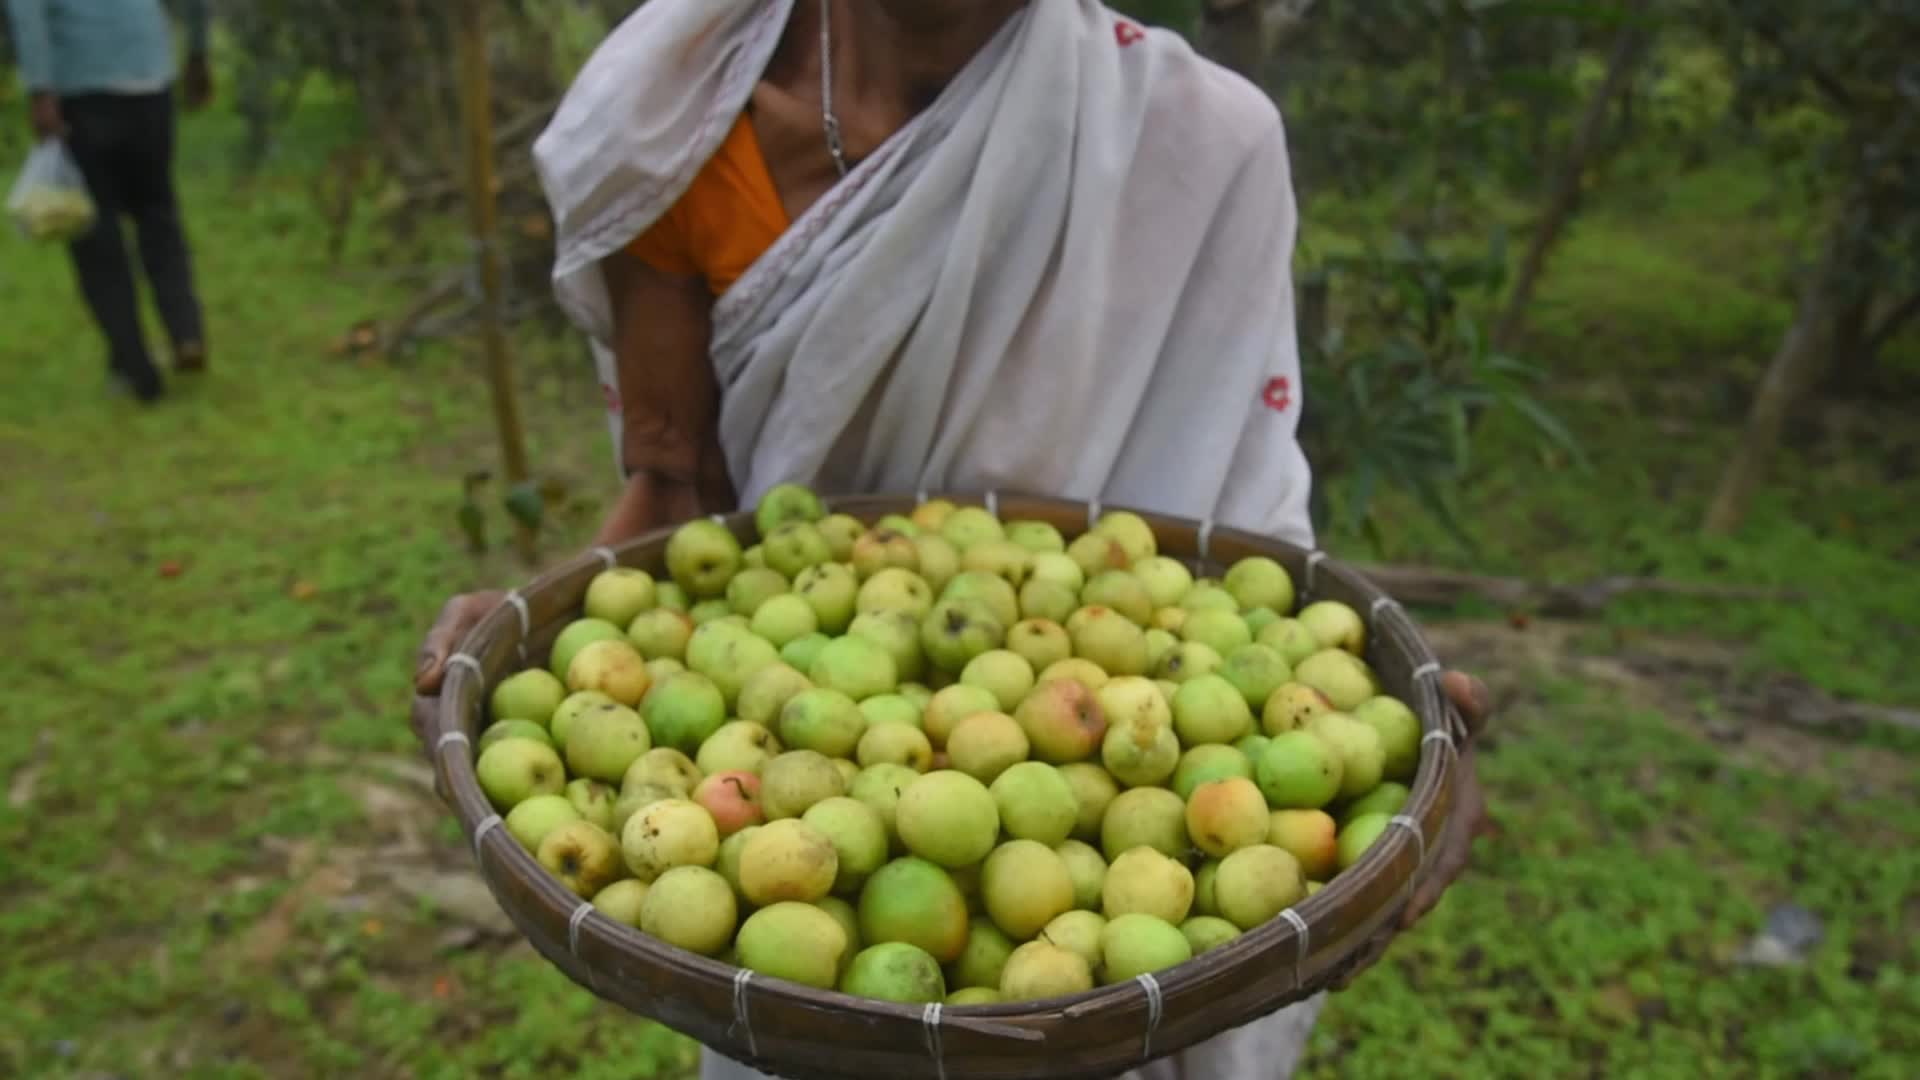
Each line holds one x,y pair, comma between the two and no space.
1393,390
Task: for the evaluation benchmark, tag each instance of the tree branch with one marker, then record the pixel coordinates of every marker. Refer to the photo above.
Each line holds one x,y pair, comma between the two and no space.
1890,324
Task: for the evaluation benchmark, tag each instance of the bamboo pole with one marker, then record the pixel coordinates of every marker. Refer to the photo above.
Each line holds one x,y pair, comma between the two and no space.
476,99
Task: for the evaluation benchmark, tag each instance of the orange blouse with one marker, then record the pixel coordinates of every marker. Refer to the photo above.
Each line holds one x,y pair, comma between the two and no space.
728,218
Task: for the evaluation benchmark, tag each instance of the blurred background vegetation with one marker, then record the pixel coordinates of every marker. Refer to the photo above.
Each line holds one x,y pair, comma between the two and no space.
1610,313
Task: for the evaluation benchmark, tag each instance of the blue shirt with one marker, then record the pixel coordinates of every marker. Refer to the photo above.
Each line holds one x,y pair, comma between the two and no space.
112,46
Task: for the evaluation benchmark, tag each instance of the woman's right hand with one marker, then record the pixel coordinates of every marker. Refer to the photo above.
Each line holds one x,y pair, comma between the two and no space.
461,614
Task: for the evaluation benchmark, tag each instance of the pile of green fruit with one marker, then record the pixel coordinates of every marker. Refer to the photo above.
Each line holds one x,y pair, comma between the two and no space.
51,214
946,758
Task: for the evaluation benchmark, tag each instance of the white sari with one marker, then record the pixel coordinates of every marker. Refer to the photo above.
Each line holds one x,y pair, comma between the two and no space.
1069,275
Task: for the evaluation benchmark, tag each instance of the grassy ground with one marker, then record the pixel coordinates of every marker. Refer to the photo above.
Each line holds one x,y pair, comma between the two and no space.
224,860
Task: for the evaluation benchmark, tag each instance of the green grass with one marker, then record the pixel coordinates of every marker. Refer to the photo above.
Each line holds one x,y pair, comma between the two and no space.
206,780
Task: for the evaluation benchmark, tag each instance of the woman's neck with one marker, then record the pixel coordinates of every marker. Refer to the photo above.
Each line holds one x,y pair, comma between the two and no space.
904,52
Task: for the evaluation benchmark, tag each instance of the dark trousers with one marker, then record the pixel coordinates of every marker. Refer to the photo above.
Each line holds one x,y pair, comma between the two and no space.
124,146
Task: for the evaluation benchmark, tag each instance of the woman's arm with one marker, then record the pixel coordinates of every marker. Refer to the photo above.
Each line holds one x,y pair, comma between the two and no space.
670,404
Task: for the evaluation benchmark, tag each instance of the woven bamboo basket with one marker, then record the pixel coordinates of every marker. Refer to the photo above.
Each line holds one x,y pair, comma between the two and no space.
806,1034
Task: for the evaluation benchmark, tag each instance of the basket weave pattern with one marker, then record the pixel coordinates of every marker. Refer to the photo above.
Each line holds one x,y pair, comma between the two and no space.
809,1034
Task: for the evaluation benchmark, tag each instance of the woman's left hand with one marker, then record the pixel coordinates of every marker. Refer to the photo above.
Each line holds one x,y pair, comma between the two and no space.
1454,848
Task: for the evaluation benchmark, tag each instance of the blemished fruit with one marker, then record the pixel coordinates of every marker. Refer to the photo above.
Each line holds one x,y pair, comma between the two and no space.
593,799
797,779
1224,816
702,556
1290,706
1078,931
786,860
666,834
941,758
613,667
604,742
895,971
1341,676
582,855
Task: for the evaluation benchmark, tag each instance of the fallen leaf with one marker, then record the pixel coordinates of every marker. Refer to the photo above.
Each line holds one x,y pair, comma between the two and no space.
20,791
303,590
171,569
371,927
442,986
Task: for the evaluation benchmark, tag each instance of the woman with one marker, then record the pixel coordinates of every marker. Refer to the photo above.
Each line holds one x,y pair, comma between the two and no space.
894,245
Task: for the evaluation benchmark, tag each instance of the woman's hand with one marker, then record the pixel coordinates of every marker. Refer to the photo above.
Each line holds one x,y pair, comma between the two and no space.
460,615
1453,850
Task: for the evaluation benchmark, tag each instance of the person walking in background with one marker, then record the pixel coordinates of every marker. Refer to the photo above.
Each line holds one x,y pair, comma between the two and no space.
100,74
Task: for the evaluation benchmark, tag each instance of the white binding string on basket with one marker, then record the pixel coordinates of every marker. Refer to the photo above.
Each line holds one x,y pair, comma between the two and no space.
718,519
1300,951
487,825
1419,838
1204,541
1156,1004
1093,512
920,497
1427,670
526,620
740,1021
1381,603
1440,735
1314,559
461,659
606,556
993,502
930,1021
448,738
573,927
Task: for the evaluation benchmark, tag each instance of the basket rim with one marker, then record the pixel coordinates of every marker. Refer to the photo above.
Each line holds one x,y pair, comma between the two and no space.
1284,939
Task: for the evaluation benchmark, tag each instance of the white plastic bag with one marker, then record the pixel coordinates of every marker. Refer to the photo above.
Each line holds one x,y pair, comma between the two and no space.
50,202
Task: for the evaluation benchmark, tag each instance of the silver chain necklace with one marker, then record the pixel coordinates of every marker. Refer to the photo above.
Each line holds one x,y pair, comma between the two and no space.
834,145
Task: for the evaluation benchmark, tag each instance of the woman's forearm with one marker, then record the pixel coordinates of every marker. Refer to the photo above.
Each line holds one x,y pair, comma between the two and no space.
648,502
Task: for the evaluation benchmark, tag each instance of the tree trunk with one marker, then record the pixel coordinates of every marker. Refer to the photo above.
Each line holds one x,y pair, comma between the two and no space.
476,97
1564,197
1796,367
